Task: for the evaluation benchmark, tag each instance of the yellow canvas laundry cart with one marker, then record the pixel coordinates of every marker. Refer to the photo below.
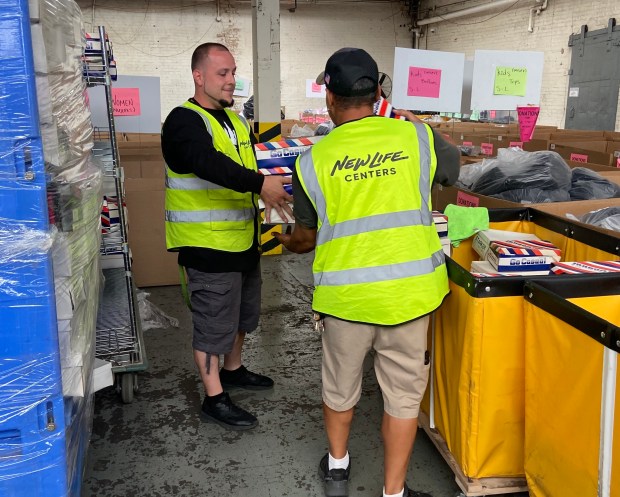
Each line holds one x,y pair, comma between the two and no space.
474,411
572,396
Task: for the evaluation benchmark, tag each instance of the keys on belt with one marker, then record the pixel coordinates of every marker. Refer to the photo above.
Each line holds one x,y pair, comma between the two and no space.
318,322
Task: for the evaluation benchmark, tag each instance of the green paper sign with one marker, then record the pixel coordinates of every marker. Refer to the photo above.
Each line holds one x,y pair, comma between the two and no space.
510,81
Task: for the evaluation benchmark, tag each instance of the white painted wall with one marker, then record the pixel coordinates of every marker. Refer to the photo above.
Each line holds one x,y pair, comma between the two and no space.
508,31
157,38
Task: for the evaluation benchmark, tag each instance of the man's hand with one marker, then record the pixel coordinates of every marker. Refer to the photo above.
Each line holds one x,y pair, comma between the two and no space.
410,116
301,240
274,196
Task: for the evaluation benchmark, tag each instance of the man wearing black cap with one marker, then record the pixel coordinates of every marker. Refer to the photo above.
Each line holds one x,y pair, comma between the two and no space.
362,198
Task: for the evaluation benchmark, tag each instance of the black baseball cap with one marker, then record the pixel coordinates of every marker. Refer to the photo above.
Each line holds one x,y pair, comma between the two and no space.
345,68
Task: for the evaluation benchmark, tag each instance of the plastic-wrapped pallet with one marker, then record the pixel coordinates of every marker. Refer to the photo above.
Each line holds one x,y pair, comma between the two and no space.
50,201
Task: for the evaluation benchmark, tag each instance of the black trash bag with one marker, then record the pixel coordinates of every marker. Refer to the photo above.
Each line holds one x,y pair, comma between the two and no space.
588,185
518,170
608,218
248,109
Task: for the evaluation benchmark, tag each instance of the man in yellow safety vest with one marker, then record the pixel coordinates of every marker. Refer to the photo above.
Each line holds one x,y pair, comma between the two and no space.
212,220
362,197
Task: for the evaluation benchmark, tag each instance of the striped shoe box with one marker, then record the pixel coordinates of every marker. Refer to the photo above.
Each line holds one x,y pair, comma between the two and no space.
385,109
441,224
508,259
586,267
529,247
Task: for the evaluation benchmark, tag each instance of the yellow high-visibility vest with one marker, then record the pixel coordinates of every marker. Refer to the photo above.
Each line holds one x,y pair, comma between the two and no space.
200,213
378,256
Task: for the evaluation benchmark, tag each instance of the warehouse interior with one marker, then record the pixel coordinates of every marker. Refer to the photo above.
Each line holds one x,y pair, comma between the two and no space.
100,394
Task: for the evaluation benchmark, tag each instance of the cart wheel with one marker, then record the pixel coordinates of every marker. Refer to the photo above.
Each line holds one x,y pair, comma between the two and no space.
136,388
127,387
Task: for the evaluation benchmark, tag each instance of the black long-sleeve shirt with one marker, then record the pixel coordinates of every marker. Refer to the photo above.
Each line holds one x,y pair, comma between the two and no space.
188,148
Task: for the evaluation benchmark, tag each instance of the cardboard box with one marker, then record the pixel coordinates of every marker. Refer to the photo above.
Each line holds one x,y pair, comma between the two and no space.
574,210
444,195
586,267
152,264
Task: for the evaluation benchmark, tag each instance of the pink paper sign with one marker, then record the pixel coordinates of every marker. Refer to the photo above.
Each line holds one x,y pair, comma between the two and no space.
579,158
424,82
527,121
617,161
126,101
516,144
466,200
316,88
468,144
486,148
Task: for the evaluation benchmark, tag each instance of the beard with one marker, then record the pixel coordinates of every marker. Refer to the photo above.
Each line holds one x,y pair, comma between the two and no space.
225,103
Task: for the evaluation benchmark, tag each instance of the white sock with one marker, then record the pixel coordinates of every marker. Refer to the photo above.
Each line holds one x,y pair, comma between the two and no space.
399,494
343,463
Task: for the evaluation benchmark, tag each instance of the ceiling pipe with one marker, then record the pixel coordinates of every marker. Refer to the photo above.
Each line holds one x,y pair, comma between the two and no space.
471,11
535,10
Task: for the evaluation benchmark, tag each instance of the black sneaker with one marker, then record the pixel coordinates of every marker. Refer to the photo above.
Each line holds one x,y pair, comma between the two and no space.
226,414
412,493
336,480
242,378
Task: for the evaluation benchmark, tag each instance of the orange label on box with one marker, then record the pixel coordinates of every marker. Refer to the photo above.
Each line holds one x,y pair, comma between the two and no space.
516,144
468,144
465,200
579,158
487,148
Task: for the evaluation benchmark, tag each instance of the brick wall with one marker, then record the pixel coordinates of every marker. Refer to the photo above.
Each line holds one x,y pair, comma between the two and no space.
508,31
157,39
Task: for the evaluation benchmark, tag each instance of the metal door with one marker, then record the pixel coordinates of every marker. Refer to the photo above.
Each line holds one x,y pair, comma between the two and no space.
594,78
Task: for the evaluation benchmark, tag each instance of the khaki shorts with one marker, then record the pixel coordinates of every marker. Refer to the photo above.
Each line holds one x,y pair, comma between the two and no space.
401,364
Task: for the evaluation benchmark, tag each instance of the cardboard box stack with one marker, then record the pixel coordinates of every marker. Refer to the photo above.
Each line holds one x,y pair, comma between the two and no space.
441,223
278,158
144,170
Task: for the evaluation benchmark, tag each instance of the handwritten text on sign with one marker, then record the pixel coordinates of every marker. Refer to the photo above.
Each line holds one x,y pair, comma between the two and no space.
424,82
578,157
467,200
527,121
510,81
126,101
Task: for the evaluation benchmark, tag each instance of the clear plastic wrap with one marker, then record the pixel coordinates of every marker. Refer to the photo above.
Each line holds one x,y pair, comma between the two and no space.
50,203
152,316
589,185
521,172
608,218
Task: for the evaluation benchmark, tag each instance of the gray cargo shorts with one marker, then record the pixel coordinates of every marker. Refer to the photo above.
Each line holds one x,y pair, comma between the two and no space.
223,304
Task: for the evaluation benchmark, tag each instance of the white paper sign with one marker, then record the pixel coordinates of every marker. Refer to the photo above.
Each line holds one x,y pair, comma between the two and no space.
314,90
490,65
573,92
427,80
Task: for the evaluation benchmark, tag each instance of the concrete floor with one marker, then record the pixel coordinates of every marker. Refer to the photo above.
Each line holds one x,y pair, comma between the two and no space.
158,447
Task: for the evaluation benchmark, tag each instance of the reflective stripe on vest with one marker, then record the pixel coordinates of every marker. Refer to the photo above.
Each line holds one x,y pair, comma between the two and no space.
380,273
191,184
207,216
